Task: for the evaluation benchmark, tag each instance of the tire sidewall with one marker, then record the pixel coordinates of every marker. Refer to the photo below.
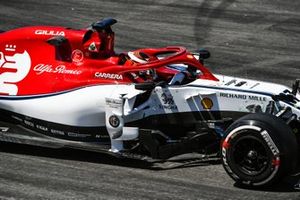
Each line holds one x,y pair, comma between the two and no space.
276,138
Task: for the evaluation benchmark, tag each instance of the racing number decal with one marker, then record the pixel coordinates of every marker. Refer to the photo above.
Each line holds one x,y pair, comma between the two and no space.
14,69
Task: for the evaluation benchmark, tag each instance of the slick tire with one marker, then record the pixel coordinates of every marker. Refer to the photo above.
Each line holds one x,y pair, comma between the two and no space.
258,150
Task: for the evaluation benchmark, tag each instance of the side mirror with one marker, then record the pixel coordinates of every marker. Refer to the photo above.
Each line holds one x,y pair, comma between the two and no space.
296,87
104,24
203,54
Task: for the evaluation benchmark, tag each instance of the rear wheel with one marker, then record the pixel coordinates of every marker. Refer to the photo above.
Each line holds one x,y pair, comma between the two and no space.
259,149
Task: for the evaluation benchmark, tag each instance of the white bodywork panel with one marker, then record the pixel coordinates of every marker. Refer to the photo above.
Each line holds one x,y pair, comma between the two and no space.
86,106
93,106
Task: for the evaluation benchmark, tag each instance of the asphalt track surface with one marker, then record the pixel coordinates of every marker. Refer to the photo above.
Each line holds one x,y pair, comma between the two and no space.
248,38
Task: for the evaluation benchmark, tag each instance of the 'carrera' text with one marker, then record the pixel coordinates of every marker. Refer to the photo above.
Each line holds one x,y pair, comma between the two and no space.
108,76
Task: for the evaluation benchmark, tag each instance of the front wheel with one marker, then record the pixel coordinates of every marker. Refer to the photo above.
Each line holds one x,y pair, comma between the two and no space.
259,149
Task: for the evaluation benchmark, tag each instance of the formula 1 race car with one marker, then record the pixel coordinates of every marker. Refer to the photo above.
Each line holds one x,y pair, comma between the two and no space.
61,87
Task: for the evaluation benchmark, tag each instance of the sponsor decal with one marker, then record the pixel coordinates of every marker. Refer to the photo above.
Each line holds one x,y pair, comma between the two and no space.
108,76
114,103
233,96
102,136
167,99
270,142
14,69
78,135
93,47
77,56
57,132
257,98
207,103
233,81
168,102
240,83
114,121
60,69
4,129
29,123
50,32
40,127
243,96
10,47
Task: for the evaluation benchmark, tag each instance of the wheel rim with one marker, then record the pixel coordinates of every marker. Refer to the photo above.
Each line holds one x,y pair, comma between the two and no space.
251,156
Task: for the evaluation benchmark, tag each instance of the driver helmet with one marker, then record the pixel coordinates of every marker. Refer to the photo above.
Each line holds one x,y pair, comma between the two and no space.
138,57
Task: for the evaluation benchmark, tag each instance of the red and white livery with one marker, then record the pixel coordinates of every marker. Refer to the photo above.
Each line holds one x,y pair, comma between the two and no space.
62,87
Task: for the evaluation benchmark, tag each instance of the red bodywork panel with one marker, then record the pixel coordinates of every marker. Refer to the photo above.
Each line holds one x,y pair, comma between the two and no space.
44,59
